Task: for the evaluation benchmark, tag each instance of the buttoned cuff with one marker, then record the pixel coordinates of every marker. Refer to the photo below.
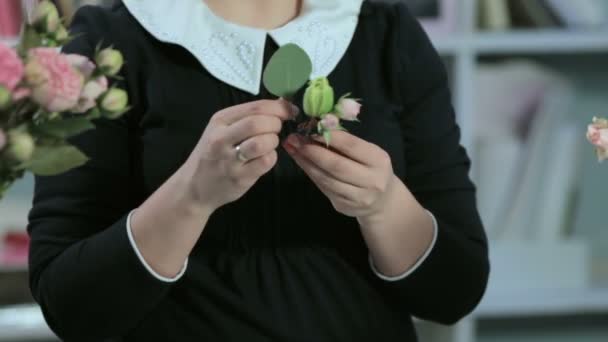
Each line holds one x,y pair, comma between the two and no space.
417,264
143,261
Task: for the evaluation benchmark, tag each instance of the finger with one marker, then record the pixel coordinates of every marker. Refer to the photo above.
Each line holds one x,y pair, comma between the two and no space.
259,166
326,183
352,147
338,166
281,109
252,126
259,146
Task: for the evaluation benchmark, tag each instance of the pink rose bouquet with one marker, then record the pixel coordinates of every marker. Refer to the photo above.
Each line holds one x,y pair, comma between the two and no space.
47,97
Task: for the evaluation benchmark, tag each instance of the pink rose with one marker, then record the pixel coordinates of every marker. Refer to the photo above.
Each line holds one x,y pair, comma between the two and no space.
82,64
11,68
330,122
2,139
90,93
348,109
56,85
597,134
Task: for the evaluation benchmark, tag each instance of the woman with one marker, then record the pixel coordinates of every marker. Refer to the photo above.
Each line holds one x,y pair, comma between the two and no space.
198,219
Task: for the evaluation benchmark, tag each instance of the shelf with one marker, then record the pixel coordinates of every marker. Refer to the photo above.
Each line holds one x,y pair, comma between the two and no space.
541,41
524,42
544,303
22,323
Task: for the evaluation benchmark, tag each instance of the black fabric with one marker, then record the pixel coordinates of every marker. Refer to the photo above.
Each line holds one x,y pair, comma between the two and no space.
279,264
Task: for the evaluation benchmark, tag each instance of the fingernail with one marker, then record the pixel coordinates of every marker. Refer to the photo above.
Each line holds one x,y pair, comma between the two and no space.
289,148
294,141
295,111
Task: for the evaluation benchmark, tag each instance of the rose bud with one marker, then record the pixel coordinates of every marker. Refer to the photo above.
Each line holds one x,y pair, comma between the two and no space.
348,109
114,102
21,145
82,64
318,98
56,85
330,122
5,98
597,134
91,91
2,139
110,61
46,17
62,35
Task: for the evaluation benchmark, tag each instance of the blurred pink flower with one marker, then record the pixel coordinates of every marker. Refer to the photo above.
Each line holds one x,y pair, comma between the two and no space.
330,122
90,93
21,93
56,85
2,139
11,68
348,109
597,134
82,64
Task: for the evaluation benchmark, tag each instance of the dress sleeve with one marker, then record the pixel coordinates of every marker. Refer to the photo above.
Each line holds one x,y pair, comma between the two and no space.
84,272
452,280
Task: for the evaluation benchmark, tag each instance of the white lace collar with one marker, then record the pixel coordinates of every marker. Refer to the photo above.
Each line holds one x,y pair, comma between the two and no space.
233,53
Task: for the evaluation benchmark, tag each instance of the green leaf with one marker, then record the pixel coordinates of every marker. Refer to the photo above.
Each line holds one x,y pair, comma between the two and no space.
53,160
287,71
327,137
65,128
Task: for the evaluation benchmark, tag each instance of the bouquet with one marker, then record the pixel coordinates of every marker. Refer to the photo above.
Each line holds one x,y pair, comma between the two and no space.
47,97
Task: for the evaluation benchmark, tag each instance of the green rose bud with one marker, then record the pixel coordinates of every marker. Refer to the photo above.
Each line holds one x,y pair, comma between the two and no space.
318,98
20,145
5,98
114,103
61,36
46,17
110,61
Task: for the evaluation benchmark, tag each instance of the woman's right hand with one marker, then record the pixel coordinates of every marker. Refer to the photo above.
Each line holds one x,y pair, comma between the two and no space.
217,175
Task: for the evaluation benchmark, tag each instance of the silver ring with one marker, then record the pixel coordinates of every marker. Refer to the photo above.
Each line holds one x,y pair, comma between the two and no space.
239,154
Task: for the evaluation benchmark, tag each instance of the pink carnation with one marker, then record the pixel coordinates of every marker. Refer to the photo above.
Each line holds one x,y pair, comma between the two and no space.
56,85
11,68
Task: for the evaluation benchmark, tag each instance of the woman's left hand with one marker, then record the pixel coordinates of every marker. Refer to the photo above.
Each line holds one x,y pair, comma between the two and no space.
356,176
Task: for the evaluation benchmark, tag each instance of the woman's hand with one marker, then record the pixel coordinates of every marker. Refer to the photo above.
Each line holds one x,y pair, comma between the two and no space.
358,178
355,175
218,175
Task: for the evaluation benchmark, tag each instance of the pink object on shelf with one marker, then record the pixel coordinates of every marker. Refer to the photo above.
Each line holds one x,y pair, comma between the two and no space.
447,20
15,248
11,17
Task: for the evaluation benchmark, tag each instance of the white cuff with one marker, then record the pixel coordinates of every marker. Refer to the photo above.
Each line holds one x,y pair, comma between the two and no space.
143,261
417,264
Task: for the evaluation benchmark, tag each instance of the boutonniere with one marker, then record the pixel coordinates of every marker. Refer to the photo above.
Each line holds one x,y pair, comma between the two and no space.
289,69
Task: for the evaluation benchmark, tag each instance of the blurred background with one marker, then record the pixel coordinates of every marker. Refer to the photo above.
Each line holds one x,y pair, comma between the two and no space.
527,77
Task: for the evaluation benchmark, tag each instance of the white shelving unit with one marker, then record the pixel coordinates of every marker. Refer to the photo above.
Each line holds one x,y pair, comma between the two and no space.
464,48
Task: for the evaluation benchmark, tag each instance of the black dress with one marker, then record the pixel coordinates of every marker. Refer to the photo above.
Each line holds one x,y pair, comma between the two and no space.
280,264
